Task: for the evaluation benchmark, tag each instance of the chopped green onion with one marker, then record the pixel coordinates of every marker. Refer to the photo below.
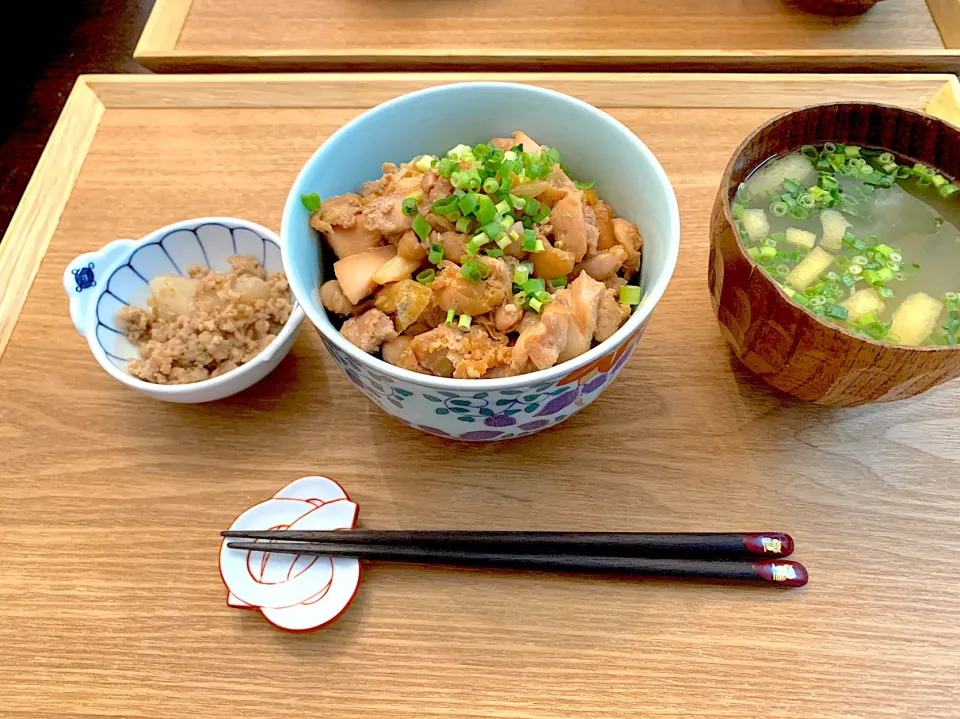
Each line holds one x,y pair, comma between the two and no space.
529,241
494,252
490,185
829,182
464,322
463,225
560,281
505,184
531,206
480,150
503,207
450,314
851,151
471,271
767,251
485,211
507,222
630,295
445,206
542,214
533,286
583,185
491,229
520,274
948,190
810,151
446,167
427,276
421,227
791,186
778,209
468,203
754,252
311,201
885,292
518,203
505,241
872,277
409,206
535,304
799,213
435,254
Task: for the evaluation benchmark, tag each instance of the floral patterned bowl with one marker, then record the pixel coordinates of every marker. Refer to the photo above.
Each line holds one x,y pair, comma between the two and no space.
594,146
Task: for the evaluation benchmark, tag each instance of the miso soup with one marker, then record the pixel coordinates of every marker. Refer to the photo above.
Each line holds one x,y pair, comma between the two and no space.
859,237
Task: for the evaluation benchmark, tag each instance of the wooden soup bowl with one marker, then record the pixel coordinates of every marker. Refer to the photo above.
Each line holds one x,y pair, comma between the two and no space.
837,7
786,345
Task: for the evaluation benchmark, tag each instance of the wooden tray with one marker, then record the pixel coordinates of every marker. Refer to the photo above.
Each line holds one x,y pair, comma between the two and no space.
110,502
746,35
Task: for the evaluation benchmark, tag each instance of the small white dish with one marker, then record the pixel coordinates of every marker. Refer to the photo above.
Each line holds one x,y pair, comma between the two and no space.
100,283
294,592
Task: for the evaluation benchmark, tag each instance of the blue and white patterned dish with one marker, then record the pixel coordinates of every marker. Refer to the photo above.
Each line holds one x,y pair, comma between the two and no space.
594,146
100,283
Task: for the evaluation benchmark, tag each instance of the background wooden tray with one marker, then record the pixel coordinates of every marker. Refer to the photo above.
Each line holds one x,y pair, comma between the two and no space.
894,36
110,502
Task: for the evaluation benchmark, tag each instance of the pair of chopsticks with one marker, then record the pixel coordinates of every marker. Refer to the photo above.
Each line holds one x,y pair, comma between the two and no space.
742,557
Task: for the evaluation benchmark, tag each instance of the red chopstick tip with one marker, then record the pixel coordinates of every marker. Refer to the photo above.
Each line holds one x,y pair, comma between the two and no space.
769,544
784,572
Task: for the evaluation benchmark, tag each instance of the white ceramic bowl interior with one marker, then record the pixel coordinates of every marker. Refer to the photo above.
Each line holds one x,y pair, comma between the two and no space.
594,147
100,283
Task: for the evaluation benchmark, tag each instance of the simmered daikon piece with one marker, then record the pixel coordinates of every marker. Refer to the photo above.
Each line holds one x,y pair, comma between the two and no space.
355,273
172,296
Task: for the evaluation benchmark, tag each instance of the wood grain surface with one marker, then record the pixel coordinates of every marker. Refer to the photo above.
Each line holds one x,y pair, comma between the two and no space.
412,34
102,617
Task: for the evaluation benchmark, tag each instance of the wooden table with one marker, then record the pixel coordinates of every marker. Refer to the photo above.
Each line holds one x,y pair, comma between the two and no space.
110,502
896,35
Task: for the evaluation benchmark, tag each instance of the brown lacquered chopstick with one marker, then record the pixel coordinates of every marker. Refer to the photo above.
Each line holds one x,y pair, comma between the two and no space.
782,572
617,544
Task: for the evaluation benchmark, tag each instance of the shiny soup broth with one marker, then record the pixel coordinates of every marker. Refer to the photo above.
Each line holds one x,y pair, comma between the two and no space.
860,237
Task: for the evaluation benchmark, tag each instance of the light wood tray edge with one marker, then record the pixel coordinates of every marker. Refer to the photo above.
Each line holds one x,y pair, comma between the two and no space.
157,49
28,236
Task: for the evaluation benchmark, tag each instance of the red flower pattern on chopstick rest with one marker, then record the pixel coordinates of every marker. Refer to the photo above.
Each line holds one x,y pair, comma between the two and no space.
294,592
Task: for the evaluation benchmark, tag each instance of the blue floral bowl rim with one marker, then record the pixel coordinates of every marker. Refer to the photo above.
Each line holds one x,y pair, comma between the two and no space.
233,223
650,299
